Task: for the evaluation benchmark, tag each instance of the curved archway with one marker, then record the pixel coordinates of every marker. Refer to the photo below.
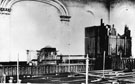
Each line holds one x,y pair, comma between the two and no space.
6,5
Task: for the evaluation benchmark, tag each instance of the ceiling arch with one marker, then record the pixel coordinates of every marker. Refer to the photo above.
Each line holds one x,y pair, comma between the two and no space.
6,5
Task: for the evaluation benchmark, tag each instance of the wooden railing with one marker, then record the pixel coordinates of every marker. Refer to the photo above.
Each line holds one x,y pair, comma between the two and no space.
128,62
51,69
45,69
123,63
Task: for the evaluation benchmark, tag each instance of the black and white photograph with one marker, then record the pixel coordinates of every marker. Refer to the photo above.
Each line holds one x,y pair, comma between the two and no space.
67,41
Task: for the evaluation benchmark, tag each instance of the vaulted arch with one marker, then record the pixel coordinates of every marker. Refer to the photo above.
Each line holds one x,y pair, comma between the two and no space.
6,5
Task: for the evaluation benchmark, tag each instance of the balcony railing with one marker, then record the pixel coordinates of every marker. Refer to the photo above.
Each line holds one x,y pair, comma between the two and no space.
61,68
45,69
